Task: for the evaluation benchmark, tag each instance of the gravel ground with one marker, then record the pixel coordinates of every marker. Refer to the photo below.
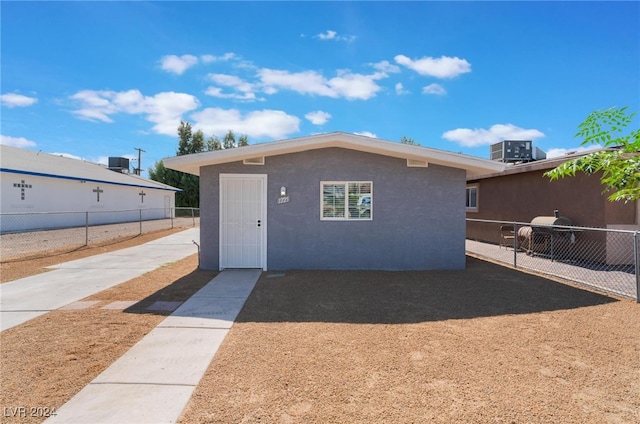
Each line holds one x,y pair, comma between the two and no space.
484,345
38,244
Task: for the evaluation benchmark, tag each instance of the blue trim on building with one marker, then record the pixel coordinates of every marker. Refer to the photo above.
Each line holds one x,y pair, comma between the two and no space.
64,177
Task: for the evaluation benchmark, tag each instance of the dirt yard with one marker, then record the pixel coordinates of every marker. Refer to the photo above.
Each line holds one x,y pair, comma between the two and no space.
484,345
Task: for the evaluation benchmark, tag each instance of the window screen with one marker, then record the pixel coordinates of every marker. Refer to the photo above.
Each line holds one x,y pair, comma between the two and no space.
472,197
346,200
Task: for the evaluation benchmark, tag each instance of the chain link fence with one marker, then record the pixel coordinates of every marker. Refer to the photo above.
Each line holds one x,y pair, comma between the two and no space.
601,259
39,234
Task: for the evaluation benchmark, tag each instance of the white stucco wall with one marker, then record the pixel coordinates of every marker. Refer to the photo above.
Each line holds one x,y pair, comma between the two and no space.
66,202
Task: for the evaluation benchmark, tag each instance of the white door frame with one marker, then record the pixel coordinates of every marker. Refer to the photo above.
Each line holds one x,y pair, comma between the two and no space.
263,213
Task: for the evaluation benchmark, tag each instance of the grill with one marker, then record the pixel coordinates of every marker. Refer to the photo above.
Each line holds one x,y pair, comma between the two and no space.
543,236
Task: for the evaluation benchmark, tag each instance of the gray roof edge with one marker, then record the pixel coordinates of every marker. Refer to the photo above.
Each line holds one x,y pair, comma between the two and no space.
192,163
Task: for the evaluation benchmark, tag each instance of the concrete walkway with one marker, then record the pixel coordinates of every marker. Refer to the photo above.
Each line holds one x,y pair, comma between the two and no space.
154,380
30,297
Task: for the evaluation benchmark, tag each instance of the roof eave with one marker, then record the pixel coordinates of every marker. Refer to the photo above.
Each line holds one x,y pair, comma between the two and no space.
474,166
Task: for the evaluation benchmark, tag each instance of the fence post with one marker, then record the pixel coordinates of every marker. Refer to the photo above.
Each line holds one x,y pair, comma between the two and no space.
86,228
172,211
140,210
515,245
193,217
636,262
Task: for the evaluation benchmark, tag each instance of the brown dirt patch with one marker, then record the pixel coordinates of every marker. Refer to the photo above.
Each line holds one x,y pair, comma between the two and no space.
20,268
47,360
485,345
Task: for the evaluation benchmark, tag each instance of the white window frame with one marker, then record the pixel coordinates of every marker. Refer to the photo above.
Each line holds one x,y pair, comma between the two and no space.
346,207
471,208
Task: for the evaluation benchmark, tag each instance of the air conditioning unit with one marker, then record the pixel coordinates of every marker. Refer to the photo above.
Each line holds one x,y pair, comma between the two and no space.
538,154
512,151
119,164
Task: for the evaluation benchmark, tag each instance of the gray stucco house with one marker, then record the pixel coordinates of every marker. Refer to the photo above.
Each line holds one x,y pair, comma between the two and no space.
332,201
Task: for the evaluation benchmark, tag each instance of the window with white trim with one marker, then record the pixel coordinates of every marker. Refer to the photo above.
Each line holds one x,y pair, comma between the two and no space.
346,200
472,198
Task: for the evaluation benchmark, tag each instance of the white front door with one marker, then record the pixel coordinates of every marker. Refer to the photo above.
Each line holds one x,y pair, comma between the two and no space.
243,221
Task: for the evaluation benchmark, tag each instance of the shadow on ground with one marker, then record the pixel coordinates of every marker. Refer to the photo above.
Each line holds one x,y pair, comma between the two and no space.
178,291
377,297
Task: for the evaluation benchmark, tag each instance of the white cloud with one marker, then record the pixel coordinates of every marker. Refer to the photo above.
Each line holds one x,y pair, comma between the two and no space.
178,64
166,109
400,89
17,100
442,67
163,109
260,123
208,58
20,142
557,152
307,82
246,89
131,101
436,89
231,81
329,35
346,84
332,35
217,92
387,67
318,117
499,132
366,134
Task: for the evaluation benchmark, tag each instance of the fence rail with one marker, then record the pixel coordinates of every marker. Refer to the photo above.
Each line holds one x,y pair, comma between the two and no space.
604,259
38,234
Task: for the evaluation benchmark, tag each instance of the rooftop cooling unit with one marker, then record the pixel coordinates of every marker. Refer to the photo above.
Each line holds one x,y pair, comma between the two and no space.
538,154
512,151
119,165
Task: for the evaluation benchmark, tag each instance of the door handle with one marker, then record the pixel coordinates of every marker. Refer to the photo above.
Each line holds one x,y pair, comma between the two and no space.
258,223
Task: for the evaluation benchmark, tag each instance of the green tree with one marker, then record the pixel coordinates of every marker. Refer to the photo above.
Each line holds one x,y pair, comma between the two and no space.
189,143
405,140
189,196
619,165
161,174
197,142
184,138
213,143
229,140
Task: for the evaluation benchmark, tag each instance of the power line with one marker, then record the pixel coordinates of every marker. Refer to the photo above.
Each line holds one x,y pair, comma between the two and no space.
137,170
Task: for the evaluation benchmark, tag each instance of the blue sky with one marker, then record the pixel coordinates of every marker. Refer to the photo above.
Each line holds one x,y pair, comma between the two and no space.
99,79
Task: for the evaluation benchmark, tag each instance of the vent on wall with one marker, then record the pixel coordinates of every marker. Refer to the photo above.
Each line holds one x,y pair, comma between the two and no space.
414,163
254,161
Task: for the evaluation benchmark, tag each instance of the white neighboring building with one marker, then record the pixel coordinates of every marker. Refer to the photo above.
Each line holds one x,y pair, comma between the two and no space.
35,182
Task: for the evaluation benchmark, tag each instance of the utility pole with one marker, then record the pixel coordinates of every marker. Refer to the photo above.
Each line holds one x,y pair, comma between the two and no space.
137,170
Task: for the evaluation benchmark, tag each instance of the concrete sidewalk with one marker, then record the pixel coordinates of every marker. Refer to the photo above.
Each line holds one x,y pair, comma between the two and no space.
154,380
30,297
